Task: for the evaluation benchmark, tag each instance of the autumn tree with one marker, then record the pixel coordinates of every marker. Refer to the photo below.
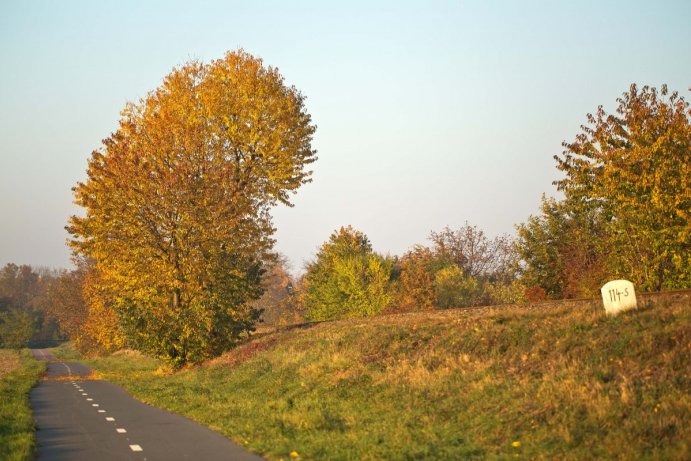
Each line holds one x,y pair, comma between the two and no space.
632,169
347,278
63,301
463,267
454,288
477,255
75,299
19,287
22,290
177,203
415,288
560,251
278,304
475,267
16,328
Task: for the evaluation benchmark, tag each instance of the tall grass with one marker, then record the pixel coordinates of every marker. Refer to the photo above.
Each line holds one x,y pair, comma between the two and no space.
18,373
534,382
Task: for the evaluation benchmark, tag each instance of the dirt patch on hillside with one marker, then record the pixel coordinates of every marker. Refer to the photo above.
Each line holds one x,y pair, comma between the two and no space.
244,352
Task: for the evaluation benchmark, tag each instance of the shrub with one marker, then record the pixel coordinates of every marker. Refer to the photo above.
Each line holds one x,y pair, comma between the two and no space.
347,279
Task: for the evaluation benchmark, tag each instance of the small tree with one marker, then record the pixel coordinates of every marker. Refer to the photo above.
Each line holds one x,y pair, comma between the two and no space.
416,282
477,255
22,289
278,304
19,287
562,251
16,328
503,293
455,289
347,279
63,301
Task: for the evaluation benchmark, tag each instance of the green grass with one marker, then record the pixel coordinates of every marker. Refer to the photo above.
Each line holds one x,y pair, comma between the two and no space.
551,381
66,352
18,373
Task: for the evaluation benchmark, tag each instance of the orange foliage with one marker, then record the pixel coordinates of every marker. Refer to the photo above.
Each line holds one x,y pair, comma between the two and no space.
100,331
534,294
417,280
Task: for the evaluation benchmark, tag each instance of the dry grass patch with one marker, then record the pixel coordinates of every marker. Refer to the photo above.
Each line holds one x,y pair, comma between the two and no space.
243,353
9,361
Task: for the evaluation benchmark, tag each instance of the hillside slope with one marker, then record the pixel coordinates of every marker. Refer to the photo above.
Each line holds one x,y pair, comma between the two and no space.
545,381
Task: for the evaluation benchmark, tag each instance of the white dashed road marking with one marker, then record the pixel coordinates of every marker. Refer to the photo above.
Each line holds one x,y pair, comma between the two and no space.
119,430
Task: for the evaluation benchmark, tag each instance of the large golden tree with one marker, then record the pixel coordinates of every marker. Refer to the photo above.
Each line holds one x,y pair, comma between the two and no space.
177,202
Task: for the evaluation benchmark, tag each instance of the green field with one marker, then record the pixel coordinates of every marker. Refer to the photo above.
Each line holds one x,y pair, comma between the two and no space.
18,373
549,381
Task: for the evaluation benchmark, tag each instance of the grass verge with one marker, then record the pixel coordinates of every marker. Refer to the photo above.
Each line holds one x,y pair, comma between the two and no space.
554,381
18,374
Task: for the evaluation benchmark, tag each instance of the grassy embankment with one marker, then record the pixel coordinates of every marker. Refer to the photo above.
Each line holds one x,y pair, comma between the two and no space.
18,373
550,381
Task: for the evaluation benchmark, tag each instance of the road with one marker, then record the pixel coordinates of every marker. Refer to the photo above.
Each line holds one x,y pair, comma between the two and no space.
79,418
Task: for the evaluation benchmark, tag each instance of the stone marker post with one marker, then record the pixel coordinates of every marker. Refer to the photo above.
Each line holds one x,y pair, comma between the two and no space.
618,296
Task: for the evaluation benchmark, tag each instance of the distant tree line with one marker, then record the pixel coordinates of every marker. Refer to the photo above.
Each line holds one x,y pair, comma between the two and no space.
626,213
24,304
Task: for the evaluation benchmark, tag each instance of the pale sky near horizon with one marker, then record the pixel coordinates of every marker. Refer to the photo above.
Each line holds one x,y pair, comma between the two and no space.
429,113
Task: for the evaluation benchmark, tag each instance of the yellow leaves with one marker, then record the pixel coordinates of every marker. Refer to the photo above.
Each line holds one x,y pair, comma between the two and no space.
633,169
188,180
101,328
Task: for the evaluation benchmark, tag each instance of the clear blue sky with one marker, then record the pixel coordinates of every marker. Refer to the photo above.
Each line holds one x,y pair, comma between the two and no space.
429,113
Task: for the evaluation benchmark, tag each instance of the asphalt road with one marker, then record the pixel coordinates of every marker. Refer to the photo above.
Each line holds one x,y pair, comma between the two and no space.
78,418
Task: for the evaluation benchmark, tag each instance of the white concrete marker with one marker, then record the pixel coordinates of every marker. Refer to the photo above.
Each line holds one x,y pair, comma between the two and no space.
136,448
618,296
110,418
121,430
94,404
89,400
101,411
